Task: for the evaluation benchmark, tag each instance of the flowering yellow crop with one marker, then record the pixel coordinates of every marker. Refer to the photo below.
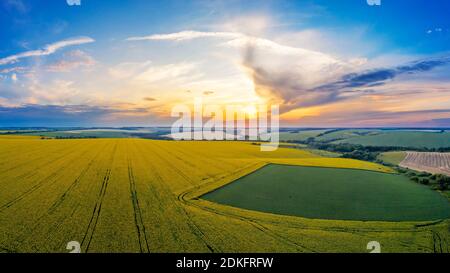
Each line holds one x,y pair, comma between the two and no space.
135,195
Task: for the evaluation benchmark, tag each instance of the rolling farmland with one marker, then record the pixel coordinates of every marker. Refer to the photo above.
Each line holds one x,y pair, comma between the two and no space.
300,135
407,139
431,139
136,195
427,162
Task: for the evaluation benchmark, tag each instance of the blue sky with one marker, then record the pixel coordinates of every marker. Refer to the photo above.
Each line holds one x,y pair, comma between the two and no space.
126,63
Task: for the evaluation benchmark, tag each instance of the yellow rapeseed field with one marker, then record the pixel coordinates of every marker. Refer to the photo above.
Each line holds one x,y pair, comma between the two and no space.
135,195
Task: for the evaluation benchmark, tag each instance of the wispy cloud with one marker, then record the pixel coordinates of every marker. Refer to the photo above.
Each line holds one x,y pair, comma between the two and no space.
16,5
46,50
236,39
13,69
72,60
73,2
149,73
187,35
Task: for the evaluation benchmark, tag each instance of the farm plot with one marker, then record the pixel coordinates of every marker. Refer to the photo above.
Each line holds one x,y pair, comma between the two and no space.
331,193
406,139
301,135
394,158
427,162
135,195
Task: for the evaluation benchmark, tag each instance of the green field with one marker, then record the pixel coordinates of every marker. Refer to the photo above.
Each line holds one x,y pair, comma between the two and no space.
301,135
332,135
393,158
374,137
330,193
407,139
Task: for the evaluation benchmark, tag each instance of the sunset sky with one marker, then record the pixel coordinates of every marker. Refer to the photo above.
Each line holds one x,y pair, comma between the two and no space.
127,63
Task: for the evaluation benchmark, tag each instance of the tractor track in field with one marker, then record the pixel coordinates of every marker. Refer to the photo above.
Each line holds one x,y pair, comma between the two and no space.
256,225
89,234
58,202
139,223
437,239
192,226
440,244
264,229
77,180
90,230
191,202
37,186
153,187
183,199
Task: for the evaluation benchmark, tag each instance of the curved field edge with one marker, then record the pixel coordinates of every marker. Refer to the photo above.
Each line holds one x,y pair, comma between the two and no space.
412,236
334,194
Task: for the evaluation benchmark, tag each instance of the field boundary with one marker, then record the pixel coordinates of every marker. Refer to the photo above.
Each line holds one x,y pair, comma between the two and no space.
262,220
192,197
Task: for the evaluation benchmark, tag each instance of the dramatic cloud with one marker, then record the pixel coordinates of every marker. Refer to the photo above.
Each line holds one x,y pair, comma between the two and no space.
374,117
291,86
297,88
378,77
280,73
47,50
295,77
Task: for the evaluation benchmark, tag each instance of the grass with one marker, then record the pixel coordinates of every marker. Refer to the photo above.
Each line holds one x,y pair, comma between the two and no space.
330,193
393,158
136,195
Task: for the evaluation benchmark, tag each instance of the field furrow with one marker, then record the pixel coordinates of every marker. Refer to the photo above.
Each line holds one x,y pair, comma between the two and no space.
135,195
